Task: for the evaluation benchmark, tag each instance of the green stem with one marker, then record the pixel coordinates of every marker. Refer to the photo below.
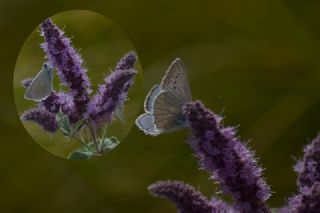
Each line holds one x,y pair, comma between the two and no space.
94,136
83,143
105,130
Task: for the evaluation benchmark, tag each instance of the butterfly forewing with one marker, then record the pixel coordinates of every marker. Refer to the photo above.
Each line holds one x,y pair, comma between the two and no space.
176,81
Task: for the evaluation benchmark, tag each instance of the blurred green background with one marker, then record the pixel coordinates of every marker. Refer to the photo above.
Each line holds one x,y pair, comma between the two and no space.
258,60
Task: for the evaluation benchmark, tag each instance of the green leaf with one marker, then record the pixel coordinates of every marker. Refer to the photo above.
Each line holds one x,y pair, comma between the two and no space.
64,125
79,154
59,115
109,143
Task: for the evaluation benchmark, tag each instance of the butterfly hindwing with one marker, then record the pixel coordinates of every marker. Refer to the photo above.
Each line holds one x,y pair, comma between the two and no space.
168,112
41,85
145,122
150,98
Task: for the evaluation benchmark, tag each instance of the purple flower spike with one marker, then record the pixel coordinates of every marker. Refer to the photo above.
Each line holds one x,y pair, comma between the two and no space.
68,62
308,201
111,95
127,62
221,206
229,161
60,100
283,210
42,117
186,198
26,82
308,168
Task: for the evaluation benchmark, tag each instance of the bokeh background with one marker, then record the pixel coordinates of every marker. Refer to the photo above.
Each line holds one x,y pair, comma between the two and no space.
258,60
101,43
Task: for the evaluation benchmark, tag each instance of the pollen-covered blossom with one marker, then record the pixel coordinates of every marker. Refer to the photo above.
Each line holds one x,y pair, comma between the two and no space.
68,63
186,198
42,117
229,161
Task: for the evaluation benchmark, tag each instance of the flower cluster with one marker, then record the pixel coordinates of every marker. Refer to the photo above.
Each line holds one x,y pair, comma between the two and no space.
308,201
308,181
72,109
45,119
187,199
228,160
308,168
232,165
68,63
113,92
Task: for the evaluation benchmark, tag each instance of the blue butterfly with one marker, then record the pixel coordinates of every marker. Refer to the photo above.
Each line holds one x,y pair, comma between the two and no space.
41,85
164,102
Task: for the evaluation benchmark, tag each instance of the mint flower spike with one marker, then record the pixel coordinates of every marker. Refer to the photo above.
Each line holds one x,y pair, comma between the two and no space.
110,96
60,100
42,117
186,198
308,168
113,93
228,160
308,201
127,61
308,181
62,55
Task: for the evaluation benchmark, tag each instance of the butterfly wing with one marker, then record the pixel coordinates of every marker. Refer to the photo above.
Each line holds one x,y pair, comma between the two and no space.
164,102
150,98
41,86
167,112
176,81
145,122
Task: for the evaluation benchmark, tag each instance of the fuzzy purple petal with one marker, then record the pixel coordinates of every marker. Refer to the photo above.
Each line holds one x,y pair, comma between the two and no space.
229,161
68,63
308,168
60,100
127,61
42,117
111,95
283,210
308,201
186,198
220,206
